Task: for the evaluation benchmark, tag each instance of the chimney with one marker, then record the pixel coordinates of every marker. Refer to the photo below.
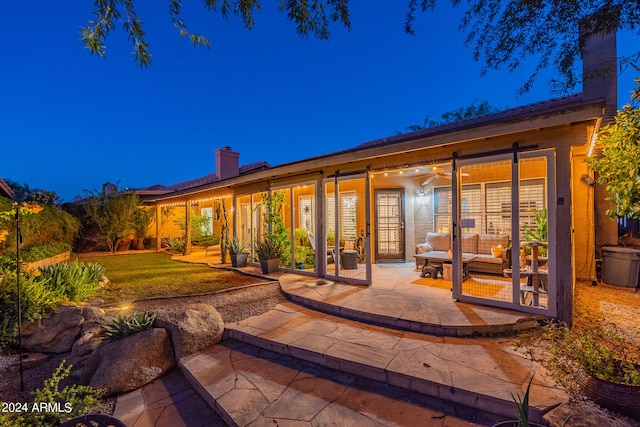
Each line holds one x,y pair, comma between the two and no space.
109,188
226,163
599,60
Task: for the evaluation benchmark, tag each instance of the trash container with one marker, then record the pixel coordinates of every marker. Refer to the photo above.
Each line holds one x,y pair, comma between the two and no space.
620,266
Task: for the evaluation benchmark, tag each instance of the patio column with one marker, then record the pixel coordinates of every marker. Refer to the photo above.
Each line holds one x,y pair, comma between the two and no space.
187,224
564,260
158,221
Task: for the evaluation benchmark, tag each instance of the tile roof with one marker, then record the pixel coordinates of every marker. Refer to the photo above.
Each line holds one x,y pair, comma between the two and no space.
158,189
536,110
543,108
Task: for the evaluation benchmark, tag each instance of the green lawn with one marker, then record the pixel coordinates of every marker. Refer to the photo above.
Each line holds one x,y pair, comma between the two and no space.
147,275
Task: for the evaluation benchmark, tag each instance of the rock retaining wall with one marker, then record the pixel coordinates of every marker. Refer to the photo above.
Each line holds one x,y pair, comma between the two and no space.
34,266
128,363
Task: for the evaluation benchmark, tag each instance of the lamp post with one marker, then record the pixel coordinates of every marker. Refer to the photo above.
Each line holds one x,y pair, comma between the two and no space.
18,242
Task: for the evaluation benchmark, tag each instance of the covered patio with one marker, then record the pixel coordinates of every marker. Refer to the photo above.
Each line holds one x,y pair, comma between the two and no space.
398,297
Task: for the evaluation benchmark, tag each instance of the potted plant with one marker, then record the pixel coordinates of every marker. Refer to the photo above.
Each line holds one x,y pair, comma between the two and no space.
537,231
522,404
268,254
606,366
609,371
275,228
237,253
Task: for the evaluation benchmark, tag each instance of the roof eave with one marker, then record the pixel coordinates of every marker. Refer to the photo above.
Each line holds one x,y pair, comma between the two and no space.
573,112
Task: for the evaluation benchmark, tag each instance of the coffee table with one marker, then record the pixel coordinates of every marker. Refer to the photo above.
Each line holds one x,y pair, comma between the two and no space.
435,258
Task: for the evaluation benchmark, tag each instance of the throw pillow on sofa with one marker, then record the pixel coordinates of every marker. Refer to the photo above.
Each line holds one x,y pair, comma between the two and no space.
496,251
439,241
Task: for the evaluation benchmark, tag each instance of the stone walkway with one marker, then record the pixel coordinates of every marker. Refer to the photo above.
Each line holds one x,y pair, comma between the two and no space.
257,387
169,401
476,372
301,365
395,302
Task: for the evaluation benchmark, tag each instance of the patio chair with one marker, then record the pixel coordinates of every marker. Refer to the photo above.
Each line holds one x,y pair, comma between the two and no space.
362,257
312,241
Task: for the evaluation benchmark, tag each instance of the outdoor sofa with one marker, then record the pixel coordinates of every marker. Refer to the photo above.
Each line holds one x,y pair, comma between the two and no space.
480,245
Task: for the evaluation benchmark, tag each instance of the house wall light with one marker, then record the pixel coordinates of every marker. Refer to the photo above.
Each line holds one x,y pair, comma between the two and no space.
422,197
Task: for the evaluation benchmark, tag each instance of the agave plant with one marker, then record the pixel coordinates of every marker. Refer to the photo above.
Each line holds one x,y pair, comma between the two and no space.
126,325
236,246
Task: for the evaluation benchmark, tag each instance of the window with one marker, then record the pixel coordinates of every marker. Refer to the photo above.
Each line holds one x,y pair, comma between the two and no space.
206,225
531,199
442,209
307,212
471,206
491,213
347,215
498,207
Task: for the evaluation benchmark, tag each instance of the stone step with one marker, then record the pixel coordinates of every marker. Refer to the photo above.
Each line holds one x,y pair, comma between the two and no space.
249,386
406,307
474,372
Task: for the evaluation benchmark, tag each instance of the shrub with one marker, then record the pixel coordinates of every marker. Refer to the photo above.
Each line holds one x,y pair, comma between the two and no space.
125,325
141,221
73,281
40,295
73,401
112,214
599,351
214,239
36,300
8,330
175,244
50,226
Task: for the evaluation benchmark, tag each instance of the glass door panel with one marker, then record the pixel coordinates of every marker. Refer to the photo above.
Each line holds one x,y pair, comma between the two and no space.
304,217
504,251
484,231
536,289
345,229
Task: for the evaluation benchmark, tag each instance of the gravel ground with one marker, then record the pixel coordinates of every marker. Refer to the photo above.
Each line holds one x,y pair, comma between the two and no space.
232,304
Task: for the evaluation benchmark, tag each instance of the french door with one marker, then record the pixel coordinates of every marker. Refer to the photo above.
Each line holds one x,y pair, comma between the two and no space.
504,231
389,225
346,228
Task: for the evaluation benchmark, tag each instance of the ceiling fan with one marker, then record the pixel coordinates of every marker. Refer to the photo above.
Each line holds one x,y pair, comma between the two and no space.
439,172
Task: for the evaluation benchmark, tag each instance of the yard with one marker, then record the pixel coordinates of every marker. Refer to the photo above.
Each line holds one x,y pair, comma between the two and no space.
148,275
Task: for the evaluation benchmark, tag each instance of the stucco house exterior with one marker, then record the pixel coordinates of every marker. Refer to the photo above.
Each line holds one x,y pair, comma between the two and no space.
474,187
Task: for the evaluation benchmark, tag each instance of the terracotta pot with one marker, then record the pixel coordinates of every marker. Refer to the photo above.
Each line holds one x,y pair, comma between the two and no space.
621,398
269,265
238,260
514,423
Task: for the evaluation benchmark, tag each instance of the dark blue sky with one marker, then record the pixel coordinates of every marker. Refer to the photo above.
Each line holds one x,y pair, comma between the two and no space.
70,121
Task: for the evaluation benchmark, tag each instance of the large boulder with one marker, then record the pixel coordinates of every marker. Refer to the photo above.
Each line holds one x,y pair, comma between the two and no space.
129,363
86,344
192,327
55,333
